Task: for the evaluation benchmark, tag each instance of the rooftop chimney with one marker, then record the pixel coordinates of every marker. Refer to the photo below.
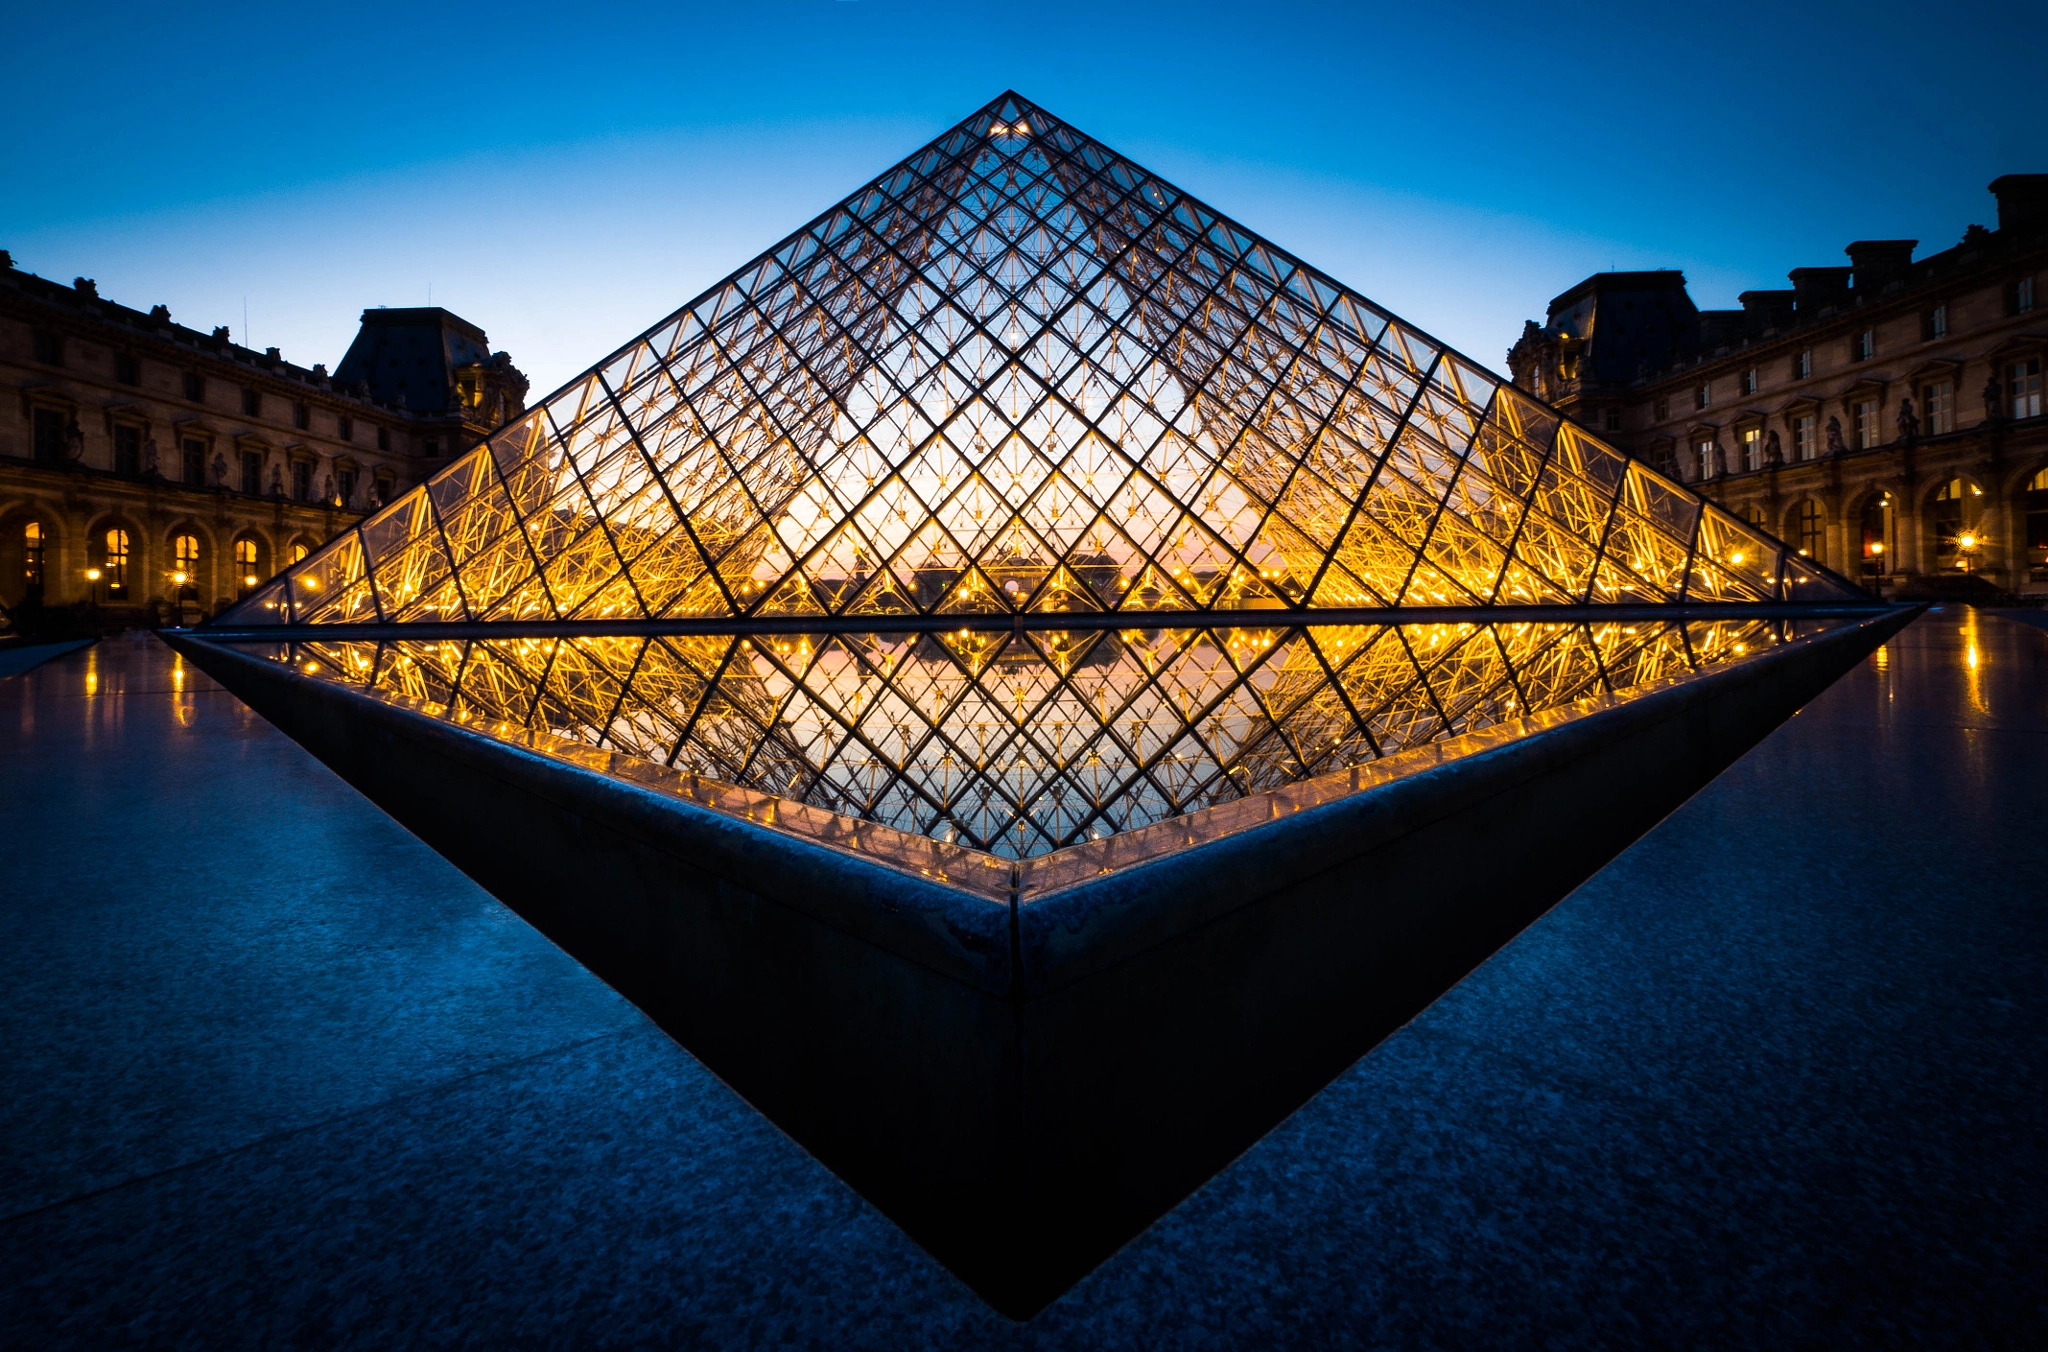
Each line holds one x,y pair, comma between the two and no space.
2022,199
1878,261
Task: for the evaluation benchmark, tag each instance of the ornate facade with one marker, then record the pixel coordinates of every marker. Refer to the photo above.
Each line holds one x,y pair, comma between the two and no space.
153,473
1884,418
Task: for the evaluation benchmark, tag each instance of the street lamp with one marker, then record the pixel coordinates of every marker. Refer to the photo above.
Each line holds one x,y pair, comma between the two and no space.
92,575
1966,546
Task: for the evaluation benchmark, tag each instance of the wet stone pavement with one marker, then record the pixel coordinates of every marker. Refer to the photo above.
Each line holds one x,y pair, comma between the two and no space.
276,1075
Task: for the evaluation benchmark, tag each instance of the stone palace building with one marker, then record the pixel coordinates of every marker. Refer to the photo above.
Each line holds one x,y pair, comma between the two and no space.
1885,418
151,473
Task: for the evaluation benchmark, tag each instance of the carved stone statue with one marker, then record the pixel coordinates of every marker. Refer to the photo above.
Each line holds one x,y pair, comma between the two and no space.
74,441
1835,446
327,490
1909,421
277,481
1774,450
1994,400
220,470
149,462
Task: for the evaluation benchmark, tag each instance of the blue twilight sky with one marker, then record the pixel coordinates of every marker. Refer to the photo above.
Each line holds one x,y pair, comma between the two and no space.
564,176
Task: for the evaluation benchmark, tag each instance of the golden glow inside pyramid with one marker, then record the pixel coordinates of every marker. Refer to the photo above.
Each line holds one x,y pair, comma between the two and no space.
1018,378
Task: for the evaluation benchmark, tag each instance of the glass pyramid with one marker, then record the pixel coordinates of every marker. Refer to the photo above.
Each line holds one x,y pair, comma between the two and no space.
1020,499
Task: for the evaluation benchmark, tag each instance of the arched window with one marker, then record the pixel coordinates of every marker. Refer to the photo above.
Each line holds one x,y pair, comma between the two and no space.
1877,535
2034,502
249,569
1954,518
185,567
1811,529
299,551
33,542
114,572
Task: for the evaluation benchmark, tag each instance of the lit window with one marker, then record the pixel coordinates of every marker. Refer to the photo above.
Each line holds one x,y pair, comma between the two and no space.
1938,402
114,564
1955,522
1752,448
1704,451
2035,503
185,566
1864,414
1804,437
2023,387
248,565
1810,527
299,552
32,542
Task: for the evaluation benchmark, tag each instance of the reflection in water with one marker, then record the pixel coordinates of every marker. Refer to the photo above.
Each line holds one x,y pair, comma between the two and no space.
1019,744
1973,659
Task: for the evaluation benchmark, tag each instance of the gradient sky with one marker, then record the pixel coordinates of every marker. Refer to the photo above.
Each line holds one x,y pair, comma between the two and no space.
566,176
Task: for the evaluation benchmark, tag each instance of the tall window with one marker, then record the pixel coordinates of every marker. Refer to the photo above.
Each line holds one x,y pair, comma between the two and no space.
114,571
1810,527
1749,381
2023,385
193,463
302,481
1804,445
1614,420
1865,346
1703,394
1877,535
299,552
1937,323
127,449
248,565
2023,295
195,387
1802,365
32,543
302,418
185,566
1704,452
49,348
345,427
252,403
127,368
1938,406
1864,414
47,433
1955,522
383,438
1663,407
2035,503
1752,448
345,486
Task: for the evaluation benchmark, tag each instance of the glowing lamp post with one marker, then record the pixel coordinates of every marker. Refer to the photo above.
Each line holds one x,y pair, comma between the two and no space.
92,575
1966,550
